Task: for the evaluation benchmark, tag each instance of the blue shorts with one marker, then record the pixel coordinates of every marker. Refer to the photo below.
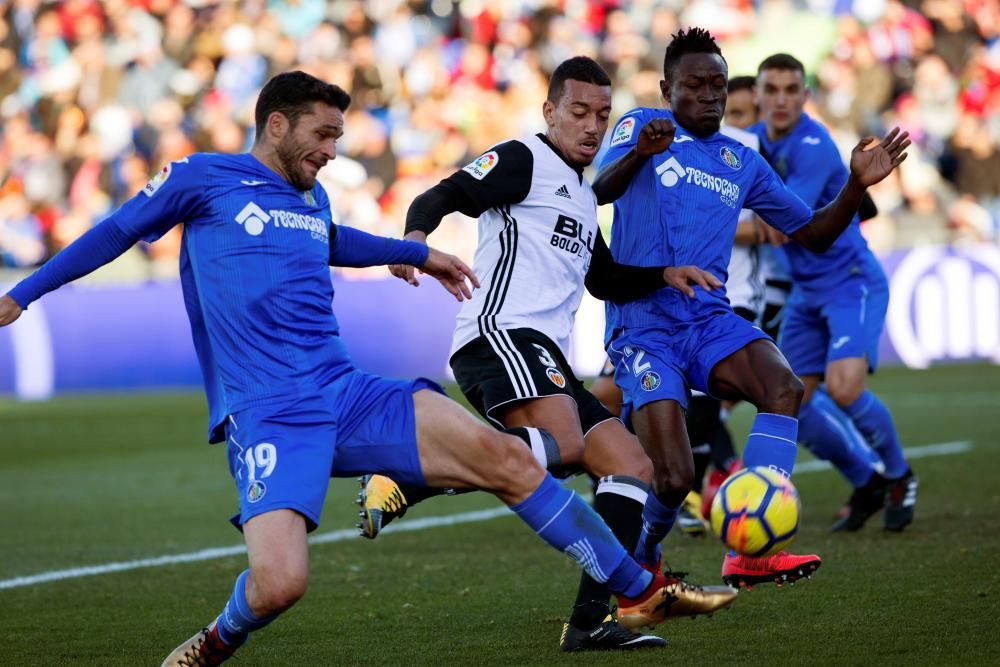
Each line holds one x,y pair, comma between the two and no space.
283,455
655,364
821,327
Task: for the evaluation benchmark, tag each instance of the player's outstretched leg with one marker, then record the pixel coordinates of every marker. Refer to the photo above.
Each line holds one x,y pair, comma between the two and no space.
456,450
381,499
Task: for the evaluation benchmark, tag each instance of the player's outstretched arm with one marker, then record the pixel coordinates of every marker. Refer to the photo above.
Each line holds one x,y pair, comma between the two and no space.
95,248
422,218
654,138
608,280
451,272
871,161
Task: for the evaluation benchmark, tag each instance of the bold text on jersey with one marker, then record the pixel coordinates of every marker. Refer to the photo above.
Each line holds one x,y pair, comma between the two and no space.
568,235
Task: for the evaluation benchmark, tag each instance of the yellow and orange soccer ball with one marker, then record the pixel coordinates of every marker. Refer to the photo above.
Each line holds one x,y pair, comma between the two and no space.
756,512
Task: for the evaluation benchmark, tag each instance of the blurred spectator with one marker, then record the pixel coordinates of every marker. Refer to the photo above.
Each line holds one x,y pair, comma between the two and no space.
95,95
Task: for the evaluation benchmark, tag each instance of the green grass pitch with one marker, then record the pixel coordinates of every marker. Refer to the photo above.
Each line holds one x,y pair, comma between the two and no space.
87,481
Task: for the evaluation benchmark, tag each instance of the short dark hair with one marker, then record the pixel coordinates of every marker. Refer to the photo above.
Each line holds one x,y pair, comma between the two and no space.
782,61
579,68
742,83
293,94
694,40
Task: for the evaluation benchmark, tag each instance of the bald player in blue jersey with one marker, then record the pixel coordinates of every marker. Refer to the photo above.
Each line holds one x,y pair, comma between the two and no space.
282,390
835,314
678,186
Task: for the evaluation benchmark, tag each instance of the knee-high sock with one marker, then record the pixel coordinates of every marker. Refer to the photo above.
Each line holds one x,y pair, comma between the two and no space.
657,520
568,524
237,621
702,420
618,500
821,430
771,443
872,418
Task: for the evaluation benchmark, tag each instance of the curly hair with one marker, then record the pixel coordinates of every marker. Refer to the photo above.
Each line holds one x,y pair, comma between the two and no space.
693,40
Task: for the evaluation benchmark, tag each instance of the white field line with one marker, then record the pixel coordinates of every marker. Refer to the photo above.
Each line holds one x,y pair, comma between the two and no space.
941,449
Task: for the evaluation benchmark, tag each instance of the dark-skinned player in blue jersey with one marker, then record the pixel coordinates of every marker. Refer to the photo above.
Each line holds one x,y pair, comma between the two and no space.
678,185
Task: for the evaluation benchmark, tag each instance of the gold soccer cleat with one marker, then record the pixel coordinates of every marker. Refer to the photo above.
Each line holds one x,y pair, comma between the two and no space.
381,501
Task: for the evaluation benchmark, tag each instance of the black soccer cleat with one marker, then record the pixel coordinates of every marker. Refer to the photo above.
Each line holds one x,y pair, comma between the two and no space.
864,502
608,636
901,502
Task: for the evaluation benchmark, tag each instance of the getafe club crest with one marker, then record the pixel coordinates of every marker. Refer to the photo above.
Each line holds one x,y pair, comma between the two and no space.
256,490
649,381
729,157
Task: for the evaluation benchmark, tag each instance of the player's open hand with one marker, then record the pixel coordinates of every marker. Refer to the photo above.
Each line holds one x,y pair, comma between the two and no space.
655,137
682,277
872,160
405,271
9,310
450,272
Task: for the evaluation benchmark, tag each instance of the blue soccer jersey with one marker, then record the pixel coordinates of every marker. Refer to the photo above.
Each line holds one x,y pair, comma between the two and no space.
809,163
682,207
255,273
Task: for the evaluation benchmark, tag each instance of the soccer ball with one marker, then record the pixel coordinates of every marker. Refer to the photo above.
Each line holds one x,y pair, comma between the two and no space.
756,512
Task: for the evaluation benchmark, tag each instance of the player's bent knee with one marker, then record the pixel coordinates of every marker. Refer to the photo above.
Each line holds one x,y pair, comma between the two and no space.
506,465
783,395
275,589
844,393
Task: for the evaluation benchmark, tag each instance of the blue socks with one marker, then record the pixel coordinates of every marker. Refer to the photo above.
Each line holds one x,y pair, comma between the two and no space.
872,418
657,520
237,621
565,522
771,443
822,431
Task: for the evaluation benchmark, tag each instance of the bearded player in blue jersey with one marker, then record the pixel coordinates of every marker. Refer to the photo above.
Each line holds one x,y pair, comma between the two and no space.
678,185
283,392
835,314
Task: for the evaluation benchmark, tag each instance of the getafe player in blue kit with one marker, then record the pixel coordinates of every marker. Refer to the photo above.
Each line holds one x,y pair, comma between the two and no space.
282,390
678,187
834,317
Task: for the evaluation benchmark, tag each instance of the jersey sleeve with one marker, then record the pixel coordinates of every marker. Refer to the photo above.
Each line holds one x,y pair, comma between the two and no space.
172,196
773,201
501,175
608,280
623,137
812,169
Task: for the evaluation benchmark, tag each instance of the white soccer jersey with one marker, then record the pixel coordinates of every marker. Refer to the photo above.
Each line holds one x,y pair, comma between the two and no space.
745,285
533,254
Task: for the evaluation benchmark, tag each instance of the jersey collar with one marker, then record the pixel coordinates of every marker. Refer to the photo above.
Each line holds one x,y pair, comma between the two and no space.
577,169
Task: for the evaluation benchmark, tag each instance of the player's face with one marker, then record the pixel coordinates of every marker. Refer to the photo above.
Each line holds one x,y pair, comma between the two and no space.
309,144
697,92
577,123
741,111
781,94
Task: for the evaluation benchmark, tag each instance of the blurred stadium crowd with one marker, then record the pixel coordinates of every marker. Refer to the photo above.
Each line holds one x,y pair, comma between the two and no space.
96,96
